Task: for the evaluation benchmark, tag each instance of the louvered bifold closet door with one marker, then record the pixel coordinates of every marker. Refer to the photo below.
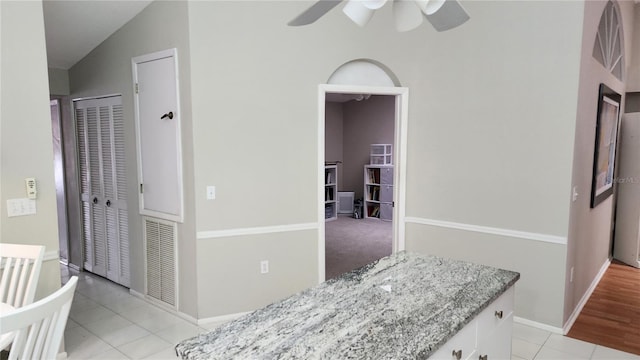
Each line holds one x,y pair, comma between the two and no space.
100,127
160,239
83,168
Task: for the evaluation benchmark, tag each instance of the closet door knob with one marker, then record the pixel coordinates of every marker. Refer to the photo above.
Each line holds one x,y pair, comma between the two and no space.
95,200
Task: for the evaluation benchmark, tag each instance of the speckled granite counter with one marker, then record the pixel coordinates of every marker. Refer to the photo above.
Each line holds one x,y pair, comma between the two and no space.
404,306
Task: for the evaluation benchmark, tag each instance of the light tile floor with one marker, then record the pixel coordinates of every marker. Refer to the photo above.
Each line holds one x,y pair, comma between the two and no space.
106,322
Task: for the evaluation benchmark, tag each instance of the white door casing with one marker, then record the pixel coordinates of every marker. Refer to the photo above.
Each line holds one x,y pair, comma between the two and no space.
158,130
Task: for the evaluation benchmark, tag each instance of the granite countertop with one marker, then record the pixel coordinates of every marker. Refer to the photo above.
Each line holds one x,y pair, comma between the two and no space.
404,306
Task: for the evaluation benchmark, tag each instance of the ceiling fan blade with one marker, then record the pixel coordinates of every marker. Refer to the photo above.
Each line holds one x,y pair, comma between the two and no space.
374,4
315,12
358,12
428,7
444,14
407,15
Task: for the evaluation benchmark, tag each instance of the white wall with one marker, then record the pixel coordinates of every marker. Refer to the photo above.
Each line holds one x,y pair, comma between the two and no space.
107,70
26,146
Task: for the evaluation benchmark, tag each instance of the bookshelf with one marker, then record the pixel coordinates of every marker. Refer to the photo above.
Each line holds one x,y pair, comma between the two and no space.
330,192
378,192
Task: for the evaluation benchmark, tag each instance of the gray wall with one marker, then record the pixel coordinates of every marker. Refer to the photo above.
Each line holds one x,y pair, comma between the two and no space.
350,128
58,81
107,70
366,122
493,115
26,148
589,245
489,143
632,46
333,139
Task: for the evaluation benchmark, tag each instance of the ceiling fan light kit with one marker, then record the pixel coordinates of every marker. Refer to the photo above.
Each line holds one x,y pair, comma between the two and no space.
408,14
358,12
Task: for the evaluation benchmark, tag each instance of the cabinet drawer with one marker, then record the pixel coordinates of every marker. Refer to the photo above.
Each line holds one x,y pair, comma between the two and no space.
386,193
488,320
386,175
464,340
386,211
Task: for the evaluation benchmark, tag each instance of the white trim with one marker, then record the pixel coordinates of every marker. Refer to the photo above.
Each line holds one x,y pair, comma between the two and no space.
201,235
51,255
554,239
222,318
94,97
163,306
401,121
583,301
320,183
538,325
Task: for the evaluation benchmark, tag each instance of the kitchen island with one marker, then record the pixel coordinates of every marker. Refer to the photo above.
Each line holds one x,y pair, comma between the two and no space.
404,306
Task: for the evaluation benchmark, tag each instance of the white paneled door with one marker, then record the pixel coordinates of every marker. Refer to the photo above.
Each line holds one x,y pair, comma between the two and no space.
101,156
158,130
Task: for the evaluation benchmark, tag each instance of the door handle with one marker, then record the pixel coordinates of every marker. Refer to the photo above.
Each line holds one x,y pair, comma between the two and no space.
95,200
108,203
167,115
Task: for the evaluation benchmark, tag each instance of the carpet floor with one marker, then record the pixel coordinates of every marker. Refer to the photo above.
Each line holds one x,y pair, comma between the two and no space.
351,243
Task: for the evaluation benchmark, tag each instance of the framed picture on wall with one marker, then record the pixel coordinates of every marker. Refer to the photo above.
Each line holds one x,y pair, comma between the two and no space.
604,159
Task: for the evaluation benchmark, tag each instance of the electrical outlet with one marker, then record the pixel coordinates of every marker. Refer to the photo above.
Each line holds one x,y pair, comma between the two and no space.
574,194
264,266
211,192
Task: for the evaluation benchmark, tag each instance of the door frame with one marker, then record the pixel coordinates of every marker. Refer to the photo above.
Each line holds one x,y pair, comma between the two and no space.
399,160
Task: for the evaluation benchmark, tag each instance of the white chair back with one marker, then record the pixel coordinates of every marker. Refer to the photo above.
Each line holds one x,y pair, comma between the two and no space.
20,266
39,327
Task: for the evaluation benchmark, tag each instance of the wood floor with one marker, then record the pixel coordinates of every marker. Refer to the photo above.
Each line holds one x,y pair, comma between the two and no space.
611,316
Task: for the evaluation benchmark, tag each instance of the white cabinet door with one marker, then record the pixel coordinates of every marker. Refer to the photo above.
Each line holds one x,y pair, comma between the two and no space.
462,343
497,346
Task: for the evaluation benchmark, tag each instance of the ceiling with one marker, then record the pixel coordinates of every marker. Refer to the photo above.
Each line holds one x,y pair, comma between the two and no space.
75,27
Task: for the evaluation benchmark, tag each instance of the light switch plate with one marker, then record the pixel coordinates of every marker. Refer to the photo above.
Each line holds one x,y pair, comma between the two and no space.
21,207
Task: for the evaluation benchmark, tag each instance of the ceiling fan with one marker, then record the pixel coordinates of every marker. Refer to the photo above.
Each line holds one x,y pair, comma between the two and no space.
409,14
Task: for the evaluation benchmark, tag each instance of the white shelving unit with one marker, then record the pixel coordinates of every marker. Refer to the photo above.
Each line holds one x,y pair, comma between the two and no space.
381,154
378,192
330,192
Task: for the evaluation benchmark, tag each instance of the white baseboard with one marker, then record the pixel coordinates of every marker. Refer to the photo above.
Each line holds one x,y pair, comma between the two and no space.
222,318
166,308
538,325
585,297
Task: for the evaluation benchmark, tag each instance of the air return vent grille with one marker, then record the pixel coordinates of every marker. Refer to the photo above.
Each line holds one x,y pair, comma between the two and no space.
160,242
